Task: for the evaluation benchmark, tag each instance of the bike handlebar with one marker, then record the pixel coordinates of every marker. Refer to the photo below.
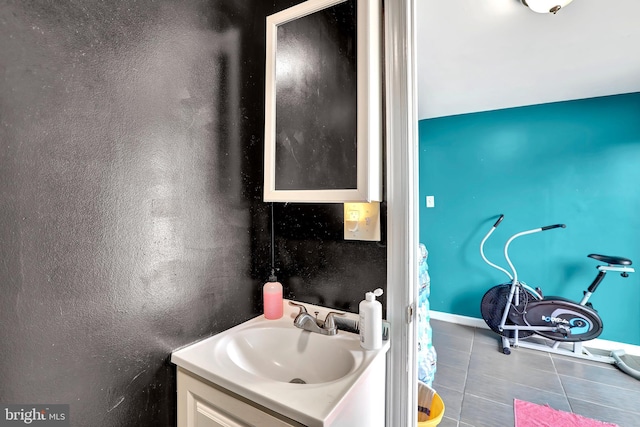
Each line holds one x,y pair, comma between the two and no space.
514,276
549,227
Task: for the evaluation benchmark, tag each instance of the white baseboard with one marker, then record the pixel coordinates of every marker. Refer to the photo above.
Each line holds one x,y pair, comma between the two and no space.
479,323
458,319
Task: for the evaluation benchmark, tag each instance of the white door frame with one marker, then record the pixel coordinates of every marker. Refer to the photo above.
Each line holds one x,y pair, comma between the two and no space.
402,209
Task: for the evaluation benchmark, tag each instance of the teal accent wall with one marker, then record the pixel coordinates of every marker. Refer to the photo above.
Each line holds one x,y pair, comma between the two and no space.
575,162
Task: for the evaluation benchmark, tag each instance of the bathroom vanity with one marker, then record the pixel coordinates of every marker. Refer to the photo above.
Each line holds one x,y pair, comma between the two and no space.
270,373
201,403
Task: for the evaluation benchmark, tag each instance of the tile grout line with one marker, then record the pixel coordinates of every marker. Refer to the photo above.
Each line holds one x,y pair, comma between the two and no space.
564,390
598,403
455,337
604,406
524,385
466,376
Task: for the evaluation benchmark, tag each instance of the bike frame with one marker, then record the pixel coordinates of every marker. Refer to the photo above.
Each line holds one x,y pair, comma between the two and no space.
578,350
513,276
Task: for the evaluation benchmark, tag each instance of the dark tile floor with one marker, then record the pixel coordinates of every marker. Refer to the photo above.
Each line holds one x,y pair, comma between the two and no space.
478,383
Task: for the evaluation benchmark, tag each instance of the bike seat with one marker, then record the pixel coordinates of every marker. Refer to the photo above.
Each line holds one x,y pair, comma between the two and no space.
611,259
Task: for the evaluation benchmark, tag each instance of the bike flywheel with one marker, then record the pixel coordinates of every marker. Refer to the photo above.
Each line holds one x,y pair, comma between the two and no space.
574,322
492,309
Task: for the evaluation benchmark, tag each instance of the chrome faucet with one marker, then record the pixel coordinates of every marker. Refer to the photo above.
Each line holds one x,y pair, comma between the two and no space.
308,323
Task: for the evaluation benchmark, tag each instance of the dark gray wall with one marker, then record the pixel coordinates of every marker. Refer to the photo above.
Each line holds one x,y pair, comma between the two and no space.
131,220
124,228
314,262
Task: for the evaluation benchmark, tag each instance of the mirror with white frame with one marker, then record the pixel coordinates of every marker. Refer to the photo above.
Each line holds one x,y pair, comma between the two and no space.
323,108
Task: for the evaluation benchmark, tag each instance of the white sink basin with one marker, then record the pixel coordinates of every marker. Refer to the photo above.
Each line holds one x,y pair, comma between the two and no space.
315,379
291,355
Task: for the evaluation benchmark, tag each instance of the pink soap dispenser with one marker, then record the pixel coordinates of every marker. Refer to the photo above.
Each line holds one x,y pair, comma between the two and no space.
272,290
272,298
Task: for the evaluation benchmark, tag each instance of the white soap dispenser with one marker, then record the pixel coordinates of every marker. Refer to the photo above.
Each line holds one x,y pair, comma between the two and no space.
371,321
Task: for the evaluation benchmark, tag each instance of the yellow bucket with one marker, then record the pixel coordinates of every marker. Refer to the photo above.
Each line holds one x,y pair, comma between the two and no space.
430,406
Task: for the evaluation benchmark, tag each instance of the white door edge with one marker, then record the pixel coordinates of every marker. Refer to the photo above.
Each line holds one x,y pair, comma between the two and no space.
401,145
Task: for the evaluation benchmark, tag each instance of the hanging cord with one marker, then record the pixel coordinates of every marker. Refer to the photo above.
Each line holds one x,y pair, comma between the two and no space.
273,278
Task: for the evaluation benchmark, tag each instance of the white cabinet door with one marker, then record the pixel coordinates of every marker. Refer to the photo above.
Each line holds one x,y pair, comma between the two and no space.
205,415
201,404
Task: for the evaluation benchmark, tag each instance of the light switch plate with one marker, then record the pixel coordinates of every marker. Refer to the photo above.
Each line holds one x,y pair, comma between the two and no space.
431,202
362,221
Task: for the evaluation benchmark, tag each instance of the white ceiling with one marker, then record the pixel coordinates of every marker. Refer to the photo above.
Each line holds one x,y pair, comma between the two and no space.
479,55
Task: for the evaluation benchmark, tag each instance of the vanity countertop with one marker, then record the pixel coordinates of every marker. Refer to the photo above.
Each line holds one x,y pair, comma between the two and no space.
313,404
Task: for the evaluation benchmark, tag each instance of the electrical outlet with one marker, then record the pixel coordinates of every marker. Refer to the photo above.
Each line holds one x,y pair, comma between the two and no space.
362,221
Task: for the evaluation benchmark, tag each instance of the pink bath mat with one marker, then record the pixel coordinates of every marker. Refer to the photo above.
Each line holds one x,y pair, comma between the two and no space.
529,414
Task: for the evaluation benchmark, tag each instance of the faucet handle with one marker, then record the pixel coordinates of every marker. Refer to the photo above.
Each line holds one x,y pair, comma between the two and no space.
302,308
329,322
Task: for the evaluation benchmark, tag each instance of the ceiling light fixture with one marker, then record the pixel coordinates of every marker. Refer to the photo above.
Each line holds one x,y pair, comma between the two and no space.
546,6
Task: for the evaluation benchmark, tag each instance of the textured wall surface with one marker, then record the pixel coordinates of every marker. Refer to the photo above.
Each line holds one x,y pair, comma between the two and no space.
316,265
131,213
124,228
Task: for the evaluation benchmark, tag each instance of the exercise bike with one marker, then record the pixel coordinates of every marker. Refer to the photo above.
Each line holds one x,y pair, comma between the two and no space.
516,311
